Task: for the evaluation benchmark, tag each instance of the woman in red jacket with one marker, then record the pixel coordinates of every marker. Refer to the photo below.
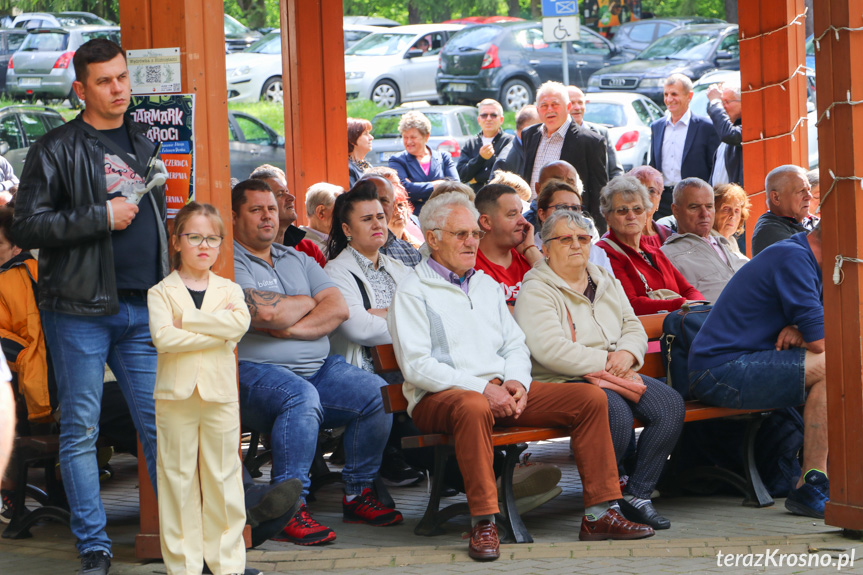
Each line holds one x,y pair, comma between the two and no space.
642,269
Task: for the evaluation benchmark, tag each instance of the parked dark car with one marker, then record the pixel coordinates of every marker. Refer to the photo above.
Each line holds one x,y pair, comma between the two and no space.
636,36
251,143
20,127
509,61
691,50
10,41
237,36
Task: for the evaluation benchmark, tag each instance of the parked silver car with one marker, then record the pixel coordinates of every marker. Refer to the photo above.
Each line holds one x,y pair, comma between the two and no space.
452,127
42,67
20,127
397,65
251,143
627,116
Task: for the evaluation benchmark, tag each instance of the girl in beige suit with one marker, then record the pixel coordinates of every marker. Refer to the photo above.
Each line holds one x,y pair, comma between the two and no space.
196,320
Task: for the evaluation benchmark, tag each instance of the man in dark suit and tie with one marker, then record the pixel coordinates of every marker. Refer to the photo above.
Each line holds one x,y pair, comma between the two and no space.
684,143
558,137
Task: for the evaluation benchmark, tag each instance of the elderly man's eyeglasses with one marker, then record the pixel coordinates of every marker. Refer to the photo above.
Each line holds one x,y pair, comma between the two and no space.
573,207
197,239
567,240
622,211
488,115
463,235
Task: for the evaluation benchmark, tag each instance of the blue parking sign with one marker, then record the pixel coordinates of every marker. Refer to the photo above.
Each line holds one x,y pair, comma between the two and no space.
559,8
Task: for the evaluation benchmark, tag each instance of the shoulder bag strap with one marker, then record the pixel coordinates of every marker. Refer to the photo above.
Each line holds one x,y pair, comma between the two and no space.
618,249
130,161
366,301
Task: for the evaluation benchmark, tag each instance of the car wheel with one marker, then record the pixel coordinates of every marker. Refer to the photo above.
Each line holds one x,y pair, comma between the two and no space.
516,94
386,95
272,91
74,101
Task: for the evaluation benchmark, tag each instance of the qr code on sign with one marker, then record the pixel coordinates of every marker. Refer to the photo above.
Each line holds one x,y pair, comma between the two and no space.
153,74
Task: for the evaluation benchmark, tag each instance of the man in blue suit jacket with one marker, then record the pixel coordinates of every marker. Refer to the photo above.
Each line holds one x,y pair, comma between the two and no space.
684,143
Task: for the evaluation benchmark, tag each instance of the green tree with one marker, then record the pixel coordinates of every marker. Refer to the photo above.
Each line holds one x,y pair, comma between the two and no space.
110,9
706,8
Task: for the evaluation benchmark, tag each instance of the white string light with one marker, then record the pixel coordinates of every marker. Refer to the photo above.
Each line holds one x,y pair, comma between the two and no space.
800,71
838,273
848,101
833,185
795,22
835,30
800,121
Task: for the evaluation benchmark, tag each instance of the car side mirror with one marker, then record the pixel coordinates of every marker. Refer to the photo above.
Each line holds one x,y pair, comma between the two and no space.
414,53
724,55
4,147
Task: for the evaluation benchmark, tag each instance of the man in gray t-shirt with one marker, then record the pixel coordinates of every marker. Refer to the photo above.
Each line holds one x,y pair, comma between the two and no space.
289,384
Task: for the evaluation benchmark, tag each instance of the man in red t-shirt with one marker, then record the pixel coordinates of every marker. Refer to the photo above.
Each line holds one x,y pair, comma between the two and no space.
507,251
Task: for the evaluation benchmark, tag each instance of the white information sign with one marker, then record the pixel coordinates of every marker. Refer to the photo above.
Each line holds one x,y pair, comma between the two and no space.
154,71
560,29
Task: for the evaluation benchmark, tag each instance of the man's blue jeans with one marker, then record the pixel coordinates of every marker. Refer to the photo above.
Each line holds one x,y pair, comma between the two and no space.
275,400
79,347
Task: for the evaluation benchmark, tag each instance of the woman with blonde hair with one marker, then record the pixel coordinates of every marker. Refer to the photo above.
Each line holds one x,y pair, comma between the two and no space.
732,211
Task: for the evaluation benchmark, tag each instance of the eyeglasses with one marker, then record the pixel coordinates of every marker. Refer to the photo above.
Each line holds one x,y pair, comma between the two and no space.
568,240
484,116
622,211
463,235
197,239
573,207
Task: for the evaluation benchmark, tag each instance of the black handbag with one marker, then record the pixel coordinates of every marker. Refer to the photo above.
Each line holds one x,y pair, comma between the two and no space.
679,328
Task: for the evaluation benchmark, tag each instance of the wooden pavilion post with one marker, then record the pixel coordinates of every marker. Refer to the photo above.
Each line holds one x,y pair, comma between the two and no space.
840,79
773,98
197,28
313,64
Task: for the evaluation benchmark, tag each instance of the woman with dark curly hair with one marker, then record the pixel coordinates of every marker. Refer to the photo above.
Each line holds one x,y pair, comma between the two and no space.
359,144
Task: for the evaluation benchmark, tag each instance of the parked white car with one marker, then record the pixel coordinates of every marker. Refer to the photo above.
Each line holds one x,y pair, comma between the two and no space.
397,65
628,116
256,74
699,104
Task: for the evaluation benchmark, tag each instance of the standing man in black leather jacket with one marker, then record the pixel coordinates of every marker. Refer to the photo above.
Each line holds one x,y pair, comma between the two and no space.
480,152
724,112
102,246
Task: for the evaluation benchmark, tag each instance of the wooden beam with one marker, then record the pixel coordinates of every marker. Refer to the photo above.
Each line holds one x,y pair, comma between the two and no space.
772,104
840,76
316,146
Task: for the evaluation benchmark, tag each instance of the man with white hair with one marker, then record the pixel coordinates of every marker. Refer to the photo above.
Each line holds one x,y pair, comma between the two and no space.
511,158
480,152
704,259
683,143
579,107
724,111
559,138
788,199
467,368
320,198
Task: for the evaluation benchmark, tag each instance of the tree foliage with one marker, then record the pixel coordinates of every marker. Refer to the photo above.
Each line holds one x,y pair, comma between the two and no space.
706,8
107,9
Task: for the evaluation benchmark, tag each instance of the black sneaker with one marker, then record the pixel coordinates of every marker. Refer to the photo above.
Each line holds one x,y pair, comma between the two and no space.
396,472
7,510
95,563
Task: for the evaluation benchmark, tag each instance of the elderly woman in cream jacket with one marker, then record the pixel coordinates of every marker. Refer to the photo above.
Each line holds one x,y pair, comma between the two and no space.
577,320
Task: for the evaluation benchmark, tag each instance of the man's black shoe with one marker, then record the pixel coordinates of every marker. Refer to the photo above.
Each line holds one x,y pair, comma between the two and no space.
95,563
266,502
396,472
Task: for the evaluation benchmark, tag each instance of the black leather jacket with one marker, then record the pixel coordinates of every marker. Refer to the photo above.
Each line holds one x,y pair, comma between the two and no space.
61,210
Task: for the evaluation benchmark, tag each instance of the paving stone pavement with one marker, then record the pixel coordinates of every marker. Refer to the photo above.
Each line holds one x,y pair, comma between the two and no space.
702,527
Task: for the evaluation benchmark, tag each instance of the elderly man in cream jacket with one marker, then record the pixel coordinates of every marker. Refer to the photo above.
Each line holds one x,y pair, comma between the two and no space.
467,369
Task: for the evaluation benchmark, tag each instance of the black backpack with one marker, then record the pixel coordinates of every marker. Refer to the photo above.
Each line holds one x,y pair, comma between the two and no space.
679,328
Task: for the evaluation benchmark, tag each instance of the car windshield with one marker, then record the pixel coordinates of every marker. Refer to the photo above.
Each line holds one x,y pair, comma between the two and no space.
388,126
71,20
473,37
680,47
605,113
45,42
269,44
382,44
233,27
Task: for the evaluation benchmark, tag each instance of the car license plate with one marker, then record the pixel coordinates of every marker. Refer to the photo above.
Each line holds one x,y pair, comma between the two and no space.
385,156
457,88
29,81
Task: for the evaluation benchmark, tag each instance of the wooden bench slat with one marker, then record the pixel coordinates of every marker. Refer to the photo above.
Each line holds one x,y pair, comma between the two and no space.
384,358
500,436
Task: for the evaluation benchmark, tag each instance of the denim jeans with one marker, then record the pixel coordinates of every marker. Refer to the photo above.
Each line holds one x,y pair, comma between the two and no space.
292,409
758,380
80,346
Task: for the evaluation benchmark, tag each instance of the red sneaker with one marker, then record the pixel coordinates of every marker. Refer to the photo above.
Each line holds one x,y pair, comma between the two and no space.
304,530
365,508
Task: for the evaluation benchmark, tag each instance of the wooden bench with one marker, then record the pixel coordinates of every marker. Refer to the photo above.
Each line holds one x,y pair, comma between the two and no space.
512,441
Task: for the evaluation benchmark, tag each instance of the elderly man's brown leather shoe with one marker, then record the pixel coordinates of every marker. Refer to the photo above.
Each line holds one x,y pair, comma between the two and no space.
484,544
612,525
